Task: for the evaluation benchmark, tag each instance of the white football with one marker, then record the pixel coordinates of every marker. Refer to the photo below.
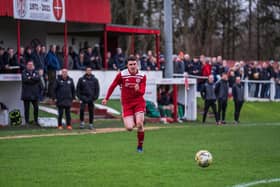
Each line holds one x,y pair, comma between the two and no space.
203,158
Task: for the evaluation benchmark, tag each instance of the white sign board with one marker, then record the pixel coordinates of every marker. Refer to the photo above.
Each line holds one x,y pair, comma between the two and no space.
40,10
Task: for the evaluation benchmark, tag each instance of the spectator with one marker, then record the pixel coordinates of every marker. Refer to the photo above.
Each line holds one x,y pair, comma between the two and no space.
265,75
179,66
256,76
119,60
144,62
98,58
31,89
88,93
110,61
2,64
224,67
215,69
59,54
187,63
231,78
22,59
80,63
152,64
74,56
277,75
38,58
206,67
28,55
43,51
238,98
64,94
10,61
53,65
221,90
196,67
165,103
70,61
138,60
208,95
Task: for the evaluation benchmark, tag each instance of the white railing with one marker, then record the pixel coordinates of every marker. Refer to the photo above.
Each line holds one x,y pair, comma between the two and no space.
250,87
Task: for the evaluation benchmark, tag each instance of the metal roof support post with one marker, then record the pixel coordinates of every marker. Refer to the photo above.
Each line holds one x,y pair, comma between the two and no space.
168,38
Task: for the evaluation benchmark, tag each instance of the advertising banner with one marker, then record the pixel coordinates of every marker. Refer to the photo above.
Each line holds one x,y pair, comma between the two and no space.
40,10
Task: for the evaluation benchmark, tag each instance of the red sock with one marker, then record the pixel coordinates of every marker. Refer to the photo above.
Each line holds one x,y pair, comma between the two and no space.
140,135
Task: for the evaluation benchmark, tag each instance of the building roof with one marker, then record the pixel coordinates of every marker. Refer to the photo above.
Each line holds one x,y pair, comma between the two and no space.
131,29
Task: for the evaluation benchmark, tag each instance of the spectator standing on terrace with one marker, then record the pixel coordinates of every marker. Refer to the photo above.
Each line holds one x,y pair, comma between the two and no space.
215,69
206,67
88,92
208,95
59,54
224,67
152,64
31,88
10,60
179,66
238,98
28,55
144,62
65,94
38,58
53,65
266,76
2,65
80,63
98,59
256,77
22,60
221,89
70,61
110,61
187,63
119,60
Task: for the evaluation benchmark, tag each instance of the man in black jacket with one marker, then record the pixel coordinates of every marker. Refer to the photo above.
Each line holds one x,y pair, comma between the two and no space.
65,94
221,90
238,98
87,92
208,94
31,88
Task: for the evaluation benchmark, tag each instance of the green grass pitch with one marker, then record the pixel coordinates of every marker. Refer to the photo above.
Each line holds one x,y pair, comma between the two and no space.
244,153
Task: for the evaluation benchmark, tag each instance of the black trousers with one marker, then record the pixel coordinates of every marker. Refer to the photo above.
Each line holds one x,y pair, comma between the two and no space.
51,85
222,107
90,111
265,90
61,109
27,108
237,109
256,94
207,105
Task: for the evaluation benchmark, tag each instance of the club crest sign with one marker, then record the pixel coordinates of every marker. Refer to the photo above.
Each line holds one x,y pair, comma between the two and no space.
40,10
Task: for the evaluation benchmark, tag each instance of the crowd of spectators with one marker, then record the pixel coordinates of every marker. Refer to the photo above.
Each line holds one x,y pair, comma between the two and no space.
253,71
48,62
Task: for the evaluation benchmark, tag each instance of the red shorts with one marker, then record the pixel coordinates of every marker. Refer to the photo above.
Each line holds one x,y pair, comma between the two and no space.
129,109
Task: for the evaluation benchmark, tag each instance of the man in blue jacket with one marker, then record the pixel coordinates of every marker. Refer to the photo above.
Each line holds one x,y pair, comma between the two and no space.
53,65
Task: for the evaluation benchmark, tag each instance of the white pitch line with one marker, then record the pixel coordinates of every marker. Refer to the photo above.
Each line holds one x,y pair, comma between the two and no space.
264,181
